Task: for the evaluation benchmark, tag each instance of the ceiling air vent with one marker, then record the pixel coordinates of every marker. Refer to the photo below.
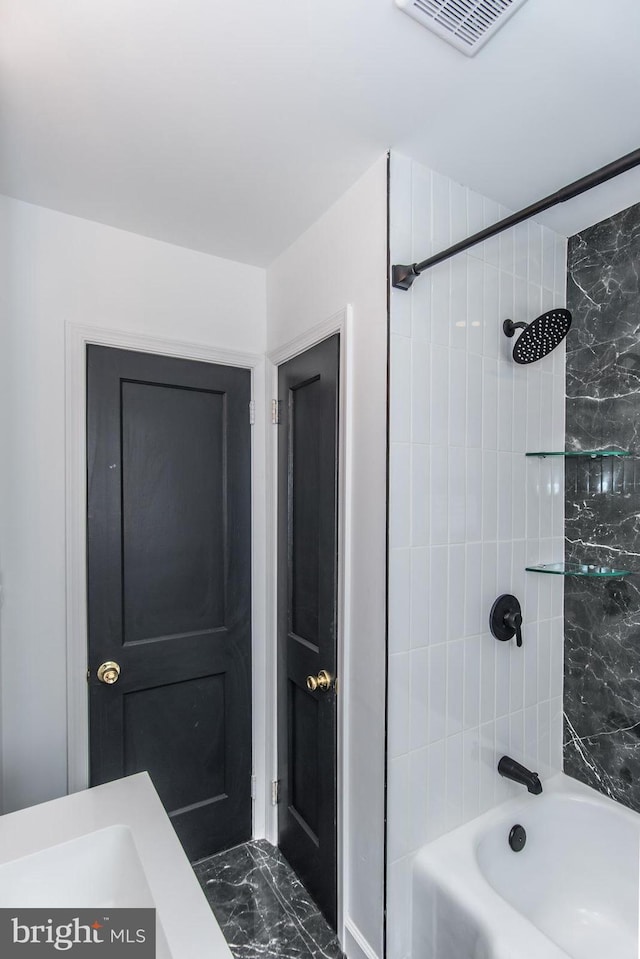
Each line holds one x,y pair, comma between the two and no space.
466,24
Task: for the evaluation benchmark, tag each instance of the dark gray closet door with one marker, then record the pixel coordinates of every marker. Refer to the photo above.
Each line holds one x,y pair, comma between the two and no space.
169,589
307,617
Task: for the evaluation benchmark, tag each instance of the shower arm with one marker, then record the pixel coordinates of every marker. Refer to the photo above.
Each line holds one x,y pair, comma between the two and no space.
509,327
402,276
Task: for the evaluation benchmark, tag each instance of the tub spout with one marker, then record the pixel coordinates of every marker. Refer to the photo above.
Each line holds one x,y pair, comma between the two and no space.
510,769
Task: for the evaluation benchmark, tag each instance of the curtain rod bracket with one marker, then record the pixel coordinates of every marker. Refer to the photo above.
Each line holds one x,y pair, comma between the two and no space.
402,277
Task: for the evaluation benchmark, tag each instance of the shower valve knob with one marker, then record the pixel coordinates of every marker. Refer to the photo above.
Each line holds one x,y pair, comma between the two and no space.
505,619
514,622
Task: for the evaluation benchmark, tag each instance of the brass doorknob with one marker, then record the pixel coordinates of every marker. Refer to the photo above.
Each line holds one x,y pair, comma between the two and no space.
108,673
323,681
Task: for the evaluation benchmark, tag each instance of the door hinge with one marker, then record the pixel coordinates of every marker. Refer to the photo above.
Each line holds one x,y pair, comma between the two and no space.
252,413
253,787
275,412
275,792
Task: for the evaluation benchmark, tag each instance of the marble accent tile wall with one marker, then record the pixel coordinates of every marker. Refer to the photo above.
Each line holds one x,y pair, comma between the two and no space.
602,629
468,512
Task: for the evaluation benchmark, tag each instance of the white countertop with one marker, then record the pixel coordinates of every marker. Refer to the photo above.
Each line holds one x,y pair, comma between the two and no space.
189,925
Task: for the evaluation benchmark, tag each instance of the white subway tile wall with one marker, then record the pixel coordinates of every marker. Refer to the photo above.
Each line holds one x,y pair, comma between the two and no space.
468,512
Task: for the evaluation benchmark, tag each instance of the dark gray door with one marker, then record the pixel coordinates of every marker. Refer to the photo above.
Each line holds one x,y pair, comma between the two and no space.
307,617
169,589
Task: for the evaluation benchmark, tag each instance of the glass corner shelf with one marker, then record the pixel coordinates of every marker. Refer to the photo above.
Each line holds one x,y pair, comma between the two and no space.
592,454
578,569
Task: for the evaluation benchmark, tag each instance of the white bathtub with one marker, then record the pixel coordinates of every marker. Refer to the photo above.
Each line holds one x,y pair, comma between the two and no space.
112,845
572,891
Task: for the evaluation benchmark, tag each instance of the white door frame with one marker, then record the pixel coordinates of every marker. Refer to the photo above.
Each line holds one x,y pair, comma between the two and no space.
341,323
77,337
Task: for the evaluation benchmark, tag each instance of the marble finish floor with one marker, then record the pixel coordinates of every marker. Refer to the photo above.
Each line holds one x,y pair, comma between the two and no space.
262,907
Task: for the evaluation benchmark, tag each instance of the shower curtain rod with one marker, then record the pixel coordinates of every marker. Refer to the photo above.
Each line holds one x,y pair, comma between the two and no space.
402,277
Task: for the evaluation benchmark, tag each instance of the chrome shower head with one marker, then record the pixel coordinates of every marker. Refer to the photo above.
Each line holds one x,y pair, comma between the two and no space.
540,336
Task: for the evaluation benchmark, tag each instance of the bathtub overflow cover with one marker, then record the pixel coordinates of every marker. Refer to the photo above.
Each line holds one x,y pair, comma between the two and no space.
517,838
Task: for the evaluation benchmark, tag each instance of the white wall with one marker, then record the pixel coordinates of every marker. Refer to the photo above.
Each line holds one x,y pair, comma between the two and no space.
468,512
66,269
5,273
342,260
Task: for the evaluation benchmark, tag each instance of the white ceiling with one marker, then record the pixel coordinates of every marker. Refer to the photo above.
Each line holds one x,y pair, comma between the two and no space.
229,127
